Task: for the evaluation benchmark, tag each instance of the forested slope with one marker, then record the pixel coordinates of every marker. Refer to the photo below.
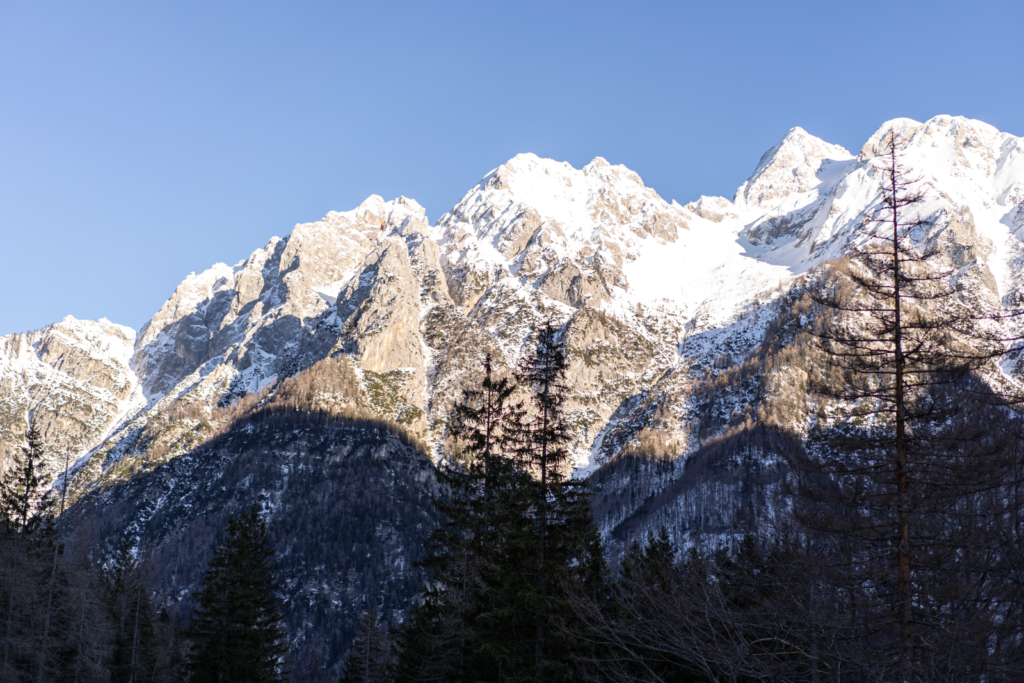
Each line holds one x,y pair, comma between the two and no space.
348,506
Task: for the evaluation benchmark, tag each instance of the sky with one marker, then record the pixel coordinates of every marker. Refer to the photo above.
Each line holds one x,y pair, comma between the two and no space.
143,141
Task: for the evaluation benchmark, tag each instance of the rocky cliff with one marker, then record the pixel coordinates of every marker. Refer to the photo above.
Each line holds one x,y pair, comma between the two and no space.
75,377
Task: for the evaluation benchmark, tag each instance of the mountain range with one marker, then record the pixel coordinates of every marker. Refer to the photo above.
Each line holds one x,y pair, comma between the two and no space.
649,292
678,321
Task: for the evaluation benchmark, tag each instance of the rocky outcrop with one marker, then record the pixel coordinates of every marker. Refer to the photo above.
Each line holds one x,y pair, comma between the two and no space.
792,166
260,315
73,379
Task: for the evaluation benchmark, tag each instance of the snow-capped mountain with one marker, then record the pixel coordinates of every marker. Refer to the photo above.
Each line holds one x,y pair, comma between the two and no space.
76,377
654,296
680,323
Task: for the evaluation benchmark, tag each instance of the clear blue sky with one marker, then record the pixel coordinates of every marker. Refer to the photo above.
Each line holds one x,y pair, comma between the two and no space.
140,141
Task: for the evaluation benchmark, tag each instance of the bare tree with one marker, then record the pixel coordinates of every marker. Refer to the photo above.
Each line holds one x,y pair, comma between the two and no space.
903,438
757,614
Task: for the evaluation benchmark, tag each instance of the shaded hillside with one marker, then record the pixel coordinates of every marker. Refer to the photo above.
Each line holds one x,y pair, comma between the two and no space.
348,504
729,487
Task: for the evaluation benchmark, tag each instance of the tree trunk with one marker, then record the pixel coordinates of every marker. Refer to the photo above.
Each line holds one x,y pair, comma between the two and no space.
10,617
135,636
538,653
903,606
81,632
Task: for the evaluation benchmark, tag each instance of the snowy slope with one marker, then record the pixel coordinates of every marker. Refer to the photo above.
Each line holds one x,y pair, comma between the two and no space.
74,378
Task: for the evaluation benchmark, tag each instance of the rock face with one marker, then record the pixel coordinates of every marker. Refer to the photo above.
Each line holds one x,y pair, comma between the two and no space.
263,318
74,378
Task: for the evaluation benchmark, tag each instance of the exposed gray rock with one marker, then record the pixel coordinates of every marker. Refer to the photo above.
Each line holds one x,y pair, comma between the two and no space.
74,379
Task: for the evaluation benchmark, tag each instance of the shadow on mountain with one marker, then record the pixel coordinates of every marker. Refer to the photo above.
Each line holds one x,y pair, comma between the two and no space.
727,488
349,506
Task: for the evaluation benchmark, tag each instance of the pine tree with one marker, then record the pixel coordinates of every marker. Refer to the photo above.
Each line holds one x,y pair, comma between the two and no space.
236,631
24,505
482,422
567,545
47,595
369,658
25,516
455,632
53,537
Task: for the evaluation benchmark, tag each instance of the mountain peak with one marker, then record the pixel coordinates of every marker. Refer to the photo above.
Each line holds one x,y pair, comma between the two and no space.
790,166
375,210
956,135
900,126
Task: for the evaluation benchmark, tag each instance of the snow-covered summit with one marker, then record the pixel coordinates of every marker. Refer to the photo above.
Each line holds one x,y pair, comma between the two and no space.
560,231
972,177
793,165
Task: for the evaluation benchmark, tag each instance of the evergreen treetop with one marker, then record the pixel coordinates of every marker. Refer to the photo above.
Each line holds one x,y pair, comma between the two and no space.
236,631
24,504
369,658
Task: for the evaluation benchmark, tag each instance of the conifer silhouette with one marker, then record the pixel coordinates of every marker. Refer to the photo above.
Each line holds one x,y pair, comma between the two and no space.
236,631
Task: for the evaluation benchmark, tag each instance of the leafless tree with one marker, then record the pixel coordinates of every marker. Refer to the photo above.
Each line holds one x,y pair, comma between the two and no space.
912,433
755,615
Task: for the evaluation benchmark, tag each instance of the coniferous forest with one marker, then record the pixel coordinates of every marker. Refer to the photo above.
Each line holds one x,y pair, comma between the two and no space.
892,548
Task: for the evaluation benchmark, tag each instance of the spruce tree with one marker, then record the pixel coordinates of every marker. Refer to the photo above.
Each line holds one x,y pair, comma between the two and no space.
458,629
566,544
26,550
236,631
24,505
481,421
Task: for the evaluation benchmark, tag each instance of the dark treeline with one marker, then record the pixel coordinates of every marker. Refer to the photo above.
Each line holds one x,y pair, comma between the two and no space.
348,508
63,617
